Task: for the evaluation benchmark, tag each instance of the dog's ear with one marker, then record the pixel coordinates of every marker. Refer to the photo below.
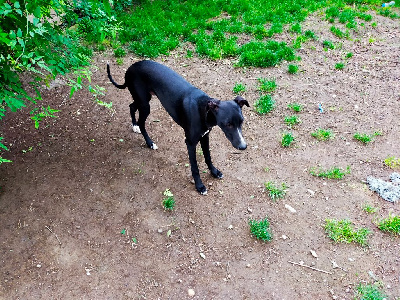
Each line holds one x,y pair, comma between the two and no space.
241,101
213,105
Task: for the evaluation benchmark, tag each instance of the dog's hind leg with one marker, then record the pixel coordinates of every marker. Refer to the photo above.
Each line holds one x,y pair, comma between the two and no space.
205,146
133,109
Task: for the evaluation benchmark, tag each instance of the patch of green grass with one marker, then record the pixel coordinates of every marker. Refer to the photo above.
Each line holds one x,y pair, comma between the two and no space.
392,162
260,229
287,140
332,173
274,191
119,52
328,45
239,89
310,34
169,200
340,34
369,208
339,66
322,134
390,224
370,292
296,28
264,104
291,121
293,69
349,55
296,107
366,138
266,86
342,231
264,54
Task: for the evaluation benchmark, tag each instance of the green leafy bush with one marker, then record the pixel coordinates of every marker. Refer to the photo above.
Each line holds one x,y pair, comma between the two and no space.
260,229
264,104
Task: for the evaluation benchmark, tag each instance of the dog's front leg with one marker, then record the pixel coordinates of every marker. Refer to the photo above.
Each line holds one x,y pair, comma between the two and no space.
194,167
205,146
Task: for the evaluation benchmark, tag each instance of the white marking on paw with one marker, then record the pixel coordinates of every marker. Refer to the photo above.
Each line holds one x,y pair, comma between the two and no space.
154,146
204,193
136,128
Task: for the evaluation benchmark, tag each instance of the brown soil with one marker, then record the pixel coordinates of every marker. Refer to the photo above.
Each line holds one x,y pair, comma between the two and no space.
82,178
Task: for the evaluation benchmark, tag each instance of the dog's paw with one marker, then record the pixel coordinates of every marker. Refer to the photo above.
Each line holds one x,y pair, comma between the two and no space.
202,190
136,129
154,146
217,174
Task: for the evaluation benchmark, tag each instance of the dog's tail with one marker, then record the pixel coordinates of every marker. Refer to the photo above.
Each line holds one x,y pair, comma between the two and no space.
120,86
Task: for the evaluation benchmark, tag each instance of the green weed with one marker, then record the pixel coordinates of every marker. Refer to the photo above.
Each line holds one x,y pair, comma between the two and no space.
291,121
342,231
328,45
266,86
119,52
369,208
366,138
349,55
293,69
332,173
370,292
264,104
322,134
169,200
340,34
339,66
392,162
287,140
239,89
260,229
274,191
390,224
296,107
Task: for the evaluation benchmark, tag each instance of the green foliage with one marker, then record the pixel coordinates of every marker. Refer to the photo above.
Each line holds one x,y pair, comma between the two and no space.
339,66
274,191
366,138
260,229
169,200
328,45
239,89
293,69
340,34
291,121
370,292
266,86
287,140
322,134
369,208
296,107
392,162
349,55
332,173
264,104
390,224
119,52
342,231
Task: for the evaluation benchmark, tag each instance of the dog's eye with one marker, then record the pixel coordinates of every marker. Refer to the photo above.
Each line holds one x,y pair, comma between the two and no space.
229,125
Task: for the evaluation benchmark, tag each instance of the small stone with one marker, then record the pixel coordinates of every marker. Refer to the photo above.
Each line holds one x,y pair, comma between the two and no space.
291,209
284,237
203,256
230,227
311,192
191,292
249,210
160,230
313,253
351,259
38,265
248,265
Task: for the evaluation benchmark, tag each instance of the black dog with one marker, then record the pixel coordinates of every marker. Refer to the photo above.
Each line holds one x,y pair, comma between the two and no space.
190,107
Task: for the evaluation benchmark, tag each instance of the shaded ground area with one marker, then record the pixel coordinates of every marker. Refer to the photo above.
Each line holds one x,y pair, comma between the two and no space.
81,179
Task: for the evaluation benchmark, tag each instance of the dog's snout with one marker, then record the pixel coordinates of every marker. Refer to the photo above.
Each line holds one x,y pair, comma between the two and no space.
242,147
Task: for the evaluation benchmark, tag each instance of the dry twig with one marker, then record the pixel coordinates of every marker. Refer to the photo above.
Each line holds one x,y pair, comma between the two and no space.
312,268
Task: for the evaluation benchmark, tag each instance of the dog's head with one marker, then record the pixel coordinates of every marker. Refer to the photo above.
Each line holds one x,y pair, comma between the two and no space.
229,117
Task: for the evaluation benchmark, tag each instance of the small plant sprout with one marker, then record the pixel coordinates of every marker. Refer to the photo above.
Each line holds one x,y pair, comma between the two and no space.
239,89
287,140
291,121
322,134
339,66
342,231
328,45
293,69
392,162
370,292
264,105
390,224
366,138
169,200
296,107
369,208
332,173
260,229
274,191
266,86
349,55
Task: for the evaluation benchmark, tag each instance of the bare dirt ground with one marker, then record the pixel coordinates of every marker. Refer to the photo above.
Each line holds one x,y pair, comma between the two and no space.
81,179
